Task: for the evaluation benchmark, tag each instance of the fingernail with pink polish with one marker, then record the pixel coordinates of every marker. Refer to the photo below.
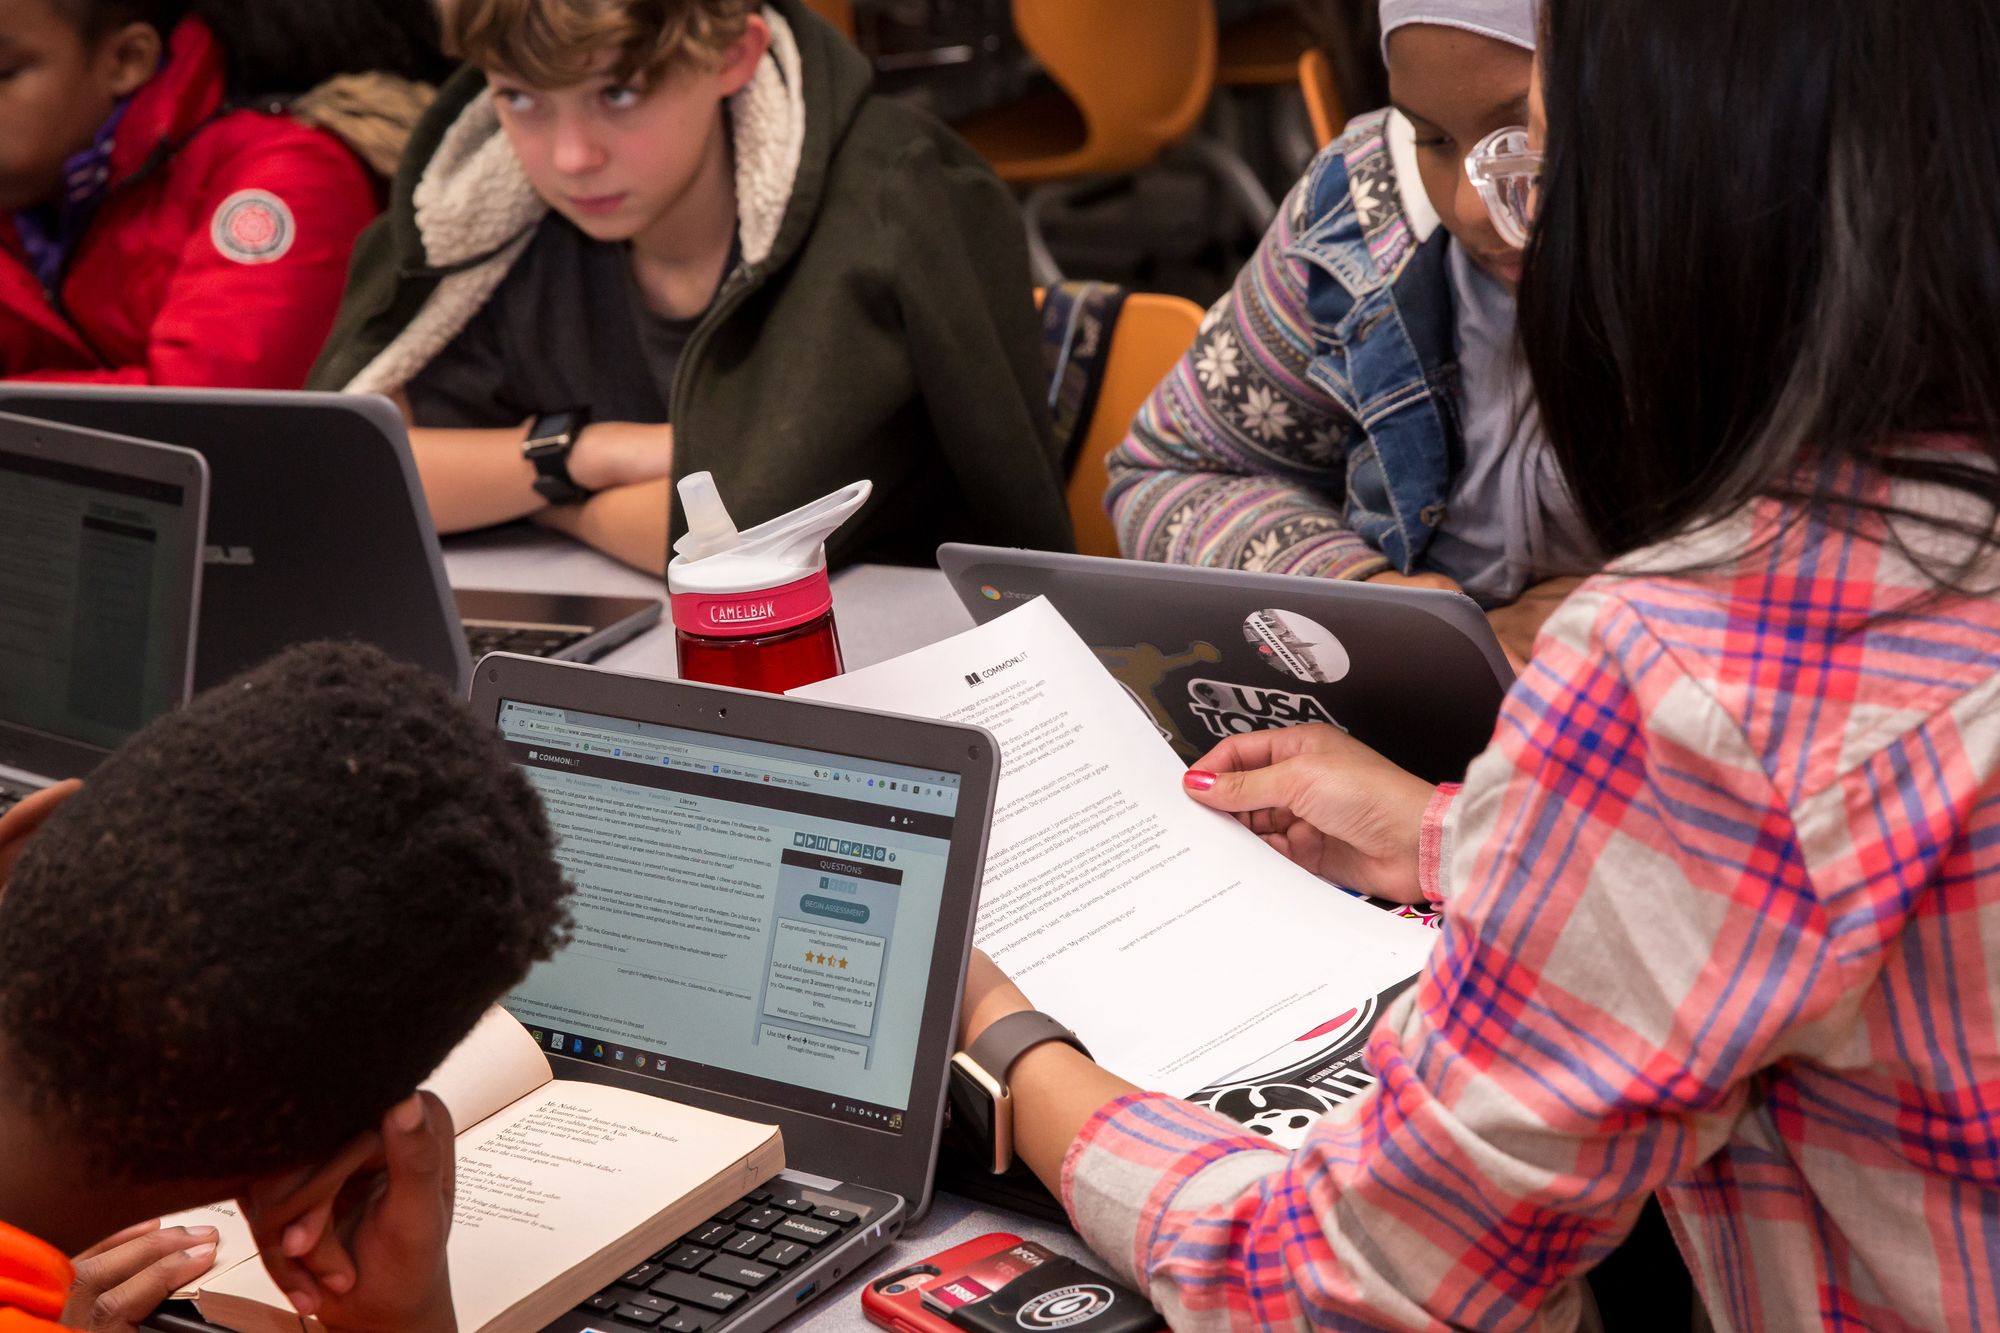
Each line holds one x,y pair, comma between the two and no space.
1197,780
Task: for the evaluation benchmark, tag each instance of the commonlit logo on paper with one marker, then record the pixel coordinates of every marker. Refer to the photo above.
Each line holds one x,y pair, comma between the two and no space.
1066,1306
977,678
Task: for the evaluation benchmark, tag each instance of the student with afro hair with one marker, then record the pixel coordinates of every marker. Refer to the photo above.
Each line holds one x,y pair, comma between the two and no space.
225,964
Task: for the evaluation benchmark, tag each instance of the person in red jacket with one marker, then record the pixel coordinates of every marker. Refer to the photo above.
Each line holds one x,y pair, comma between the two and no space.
151,231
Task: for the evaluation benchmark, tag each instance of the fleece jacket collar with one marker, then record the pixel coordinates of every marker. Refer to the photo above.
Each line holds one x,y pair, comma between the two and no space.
474,212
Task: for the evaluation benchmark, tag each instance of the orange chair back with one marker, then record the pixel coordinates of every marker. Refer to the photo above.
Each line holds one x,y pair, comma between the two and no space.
1322,96
1153,333
1139,71
840,13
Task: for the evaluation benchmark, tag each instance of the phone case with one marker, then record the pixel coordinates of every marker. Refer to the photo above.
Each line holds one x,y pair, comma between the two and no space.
895,1301
1001,1284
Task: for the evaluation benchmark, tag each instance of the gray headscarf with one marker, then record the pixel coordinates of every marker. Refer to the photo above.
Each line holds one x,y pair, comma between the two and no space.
1504,20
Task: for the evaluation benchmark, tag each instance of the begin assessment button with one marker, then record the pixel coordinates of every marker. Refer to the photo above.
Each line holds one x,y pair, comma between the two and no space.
834,909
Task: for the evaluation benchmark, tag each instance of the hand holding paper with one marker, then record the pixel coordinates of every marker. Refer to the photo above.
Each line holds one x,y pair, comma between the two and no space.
1325,800
1175,942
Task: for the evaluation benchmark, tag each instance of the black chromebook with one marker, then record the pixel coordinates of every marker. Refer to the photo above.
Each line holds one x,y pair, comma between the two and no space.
318,530
774,909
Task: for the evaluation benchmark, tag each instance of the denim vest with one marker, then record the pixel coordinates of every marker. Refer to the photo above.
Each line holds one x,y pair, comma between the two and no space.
1385,345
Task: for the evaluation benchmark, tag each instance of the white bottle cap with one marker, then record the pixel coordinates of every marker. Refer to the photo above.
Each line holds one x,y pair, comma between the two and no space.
715,558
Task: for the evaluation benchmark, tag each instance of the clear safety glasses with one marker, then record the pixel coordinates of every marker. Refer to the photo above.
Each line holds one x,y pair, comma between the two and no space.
1507,173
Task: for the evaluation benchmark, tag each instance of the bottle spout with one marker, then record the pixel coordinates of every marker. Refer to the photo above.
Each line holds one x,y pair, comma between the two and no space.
710,529
795,539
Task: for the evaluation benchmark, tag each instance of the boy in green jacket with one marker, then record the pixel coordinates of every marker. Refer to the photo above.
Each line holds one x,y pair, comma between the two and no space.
641,239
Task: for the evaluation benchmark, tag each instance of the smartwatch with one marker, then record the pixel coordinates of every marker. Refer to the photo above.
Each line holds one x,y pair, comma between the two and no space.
982,1108
550,440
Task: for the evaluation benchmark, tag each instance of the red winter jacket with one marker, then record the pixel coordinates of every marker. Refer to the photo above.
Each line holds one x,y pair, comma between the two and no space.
217,257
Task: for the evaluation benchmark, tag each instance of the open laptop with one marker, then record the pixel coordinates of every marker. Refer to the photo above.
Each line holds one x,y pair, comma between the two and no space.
1415,673
100,573
775,904
318,529
774,910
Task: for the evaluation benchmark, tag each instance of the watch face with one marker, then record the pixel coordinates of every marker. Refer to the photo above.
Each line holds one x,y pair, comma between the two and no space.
555,426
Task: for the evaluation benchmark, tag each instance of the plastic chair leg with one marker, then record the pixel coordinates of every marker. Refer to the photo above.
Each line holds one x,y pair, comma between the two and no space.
1294,135
1240,183
1041,262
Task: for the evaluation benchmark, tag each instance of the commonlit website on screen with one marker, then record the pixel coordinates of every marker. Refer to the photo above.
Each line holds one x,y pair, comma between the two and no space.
760,910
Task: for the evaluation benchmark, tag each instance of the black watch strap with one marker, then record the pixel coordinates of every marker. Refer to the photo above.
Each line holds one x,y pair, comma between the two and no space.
1008,1039
550,441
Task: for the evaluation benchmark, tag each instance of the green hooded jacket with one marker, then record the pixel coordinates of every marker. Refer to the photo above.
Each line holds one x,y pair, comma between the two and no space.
881,324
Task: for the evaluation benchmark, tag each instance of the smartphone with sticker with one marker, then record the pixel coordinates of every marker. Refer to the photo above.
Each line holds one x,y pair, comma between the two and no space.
1000,1283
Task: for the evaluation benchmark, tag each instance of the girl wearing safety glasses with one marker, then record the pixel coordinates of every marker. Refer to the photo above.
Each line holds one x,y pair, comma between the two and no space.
1356,407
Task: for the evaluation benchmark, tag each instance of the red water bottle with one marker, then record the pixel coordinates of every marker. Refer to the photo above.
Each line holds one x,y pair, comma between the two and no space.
755,609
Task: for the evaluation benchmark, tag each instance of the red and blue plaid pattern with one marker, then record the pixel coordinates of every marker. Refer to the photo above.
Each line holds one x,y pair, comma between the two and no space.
1722,920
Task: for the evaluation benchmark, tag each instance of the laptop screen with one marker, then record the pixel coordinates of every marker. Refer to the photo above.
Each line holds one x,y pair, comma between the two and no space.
754,919
88,587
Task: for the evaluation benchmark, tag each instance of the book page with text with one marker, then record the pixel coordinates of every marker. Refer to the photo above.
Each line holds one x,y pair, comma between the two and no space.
497,1063
1174,941
551,1185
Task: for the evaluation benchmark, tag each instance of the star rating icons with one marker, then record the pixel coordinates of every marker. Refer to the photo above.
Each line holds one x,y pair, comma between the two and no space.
826,960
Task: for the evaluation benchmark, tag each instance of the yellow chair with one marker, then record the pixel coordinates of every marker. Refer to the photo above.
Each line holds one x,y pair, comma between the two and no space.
840,13
1153,333
1322,96
1131,81
1132,78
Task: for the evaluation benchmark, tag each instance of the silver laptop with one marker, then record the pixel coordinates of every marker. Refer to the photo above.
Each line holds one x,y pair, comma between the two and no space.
100,575
1209,653
319,530
774,908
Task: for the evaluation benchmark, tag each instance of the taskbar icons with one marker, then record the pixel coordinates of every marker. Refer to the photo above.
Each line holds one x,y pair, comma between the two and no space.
618,1055
602,1052
876,1117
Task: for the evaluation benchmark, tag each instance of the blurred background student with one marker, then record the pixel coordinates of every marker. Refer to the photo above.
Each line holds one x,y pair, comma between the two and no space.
167,214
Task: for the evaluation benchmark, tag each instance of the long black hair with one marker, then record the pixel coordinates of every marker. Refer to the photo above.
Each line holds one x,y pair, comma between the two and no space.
1768,238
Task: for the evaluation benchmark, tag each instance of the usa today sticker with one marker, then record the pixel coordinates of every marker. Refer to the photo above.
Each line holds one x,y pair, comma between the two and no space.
1298,646
1065,1306
253,227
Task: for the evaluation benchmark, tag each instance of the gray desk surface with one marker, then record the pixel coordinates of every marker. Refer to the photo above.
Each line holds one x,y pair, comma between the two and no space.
883,611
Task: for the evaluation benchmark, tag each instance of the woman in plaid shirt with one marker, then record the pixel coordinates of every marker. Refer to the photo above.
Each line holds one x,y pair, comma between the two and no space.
1722,900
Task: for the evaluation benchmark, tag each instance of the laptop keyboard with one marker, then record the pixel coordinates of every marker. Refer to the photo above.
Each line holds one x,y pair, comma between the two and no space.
484,637
702,1280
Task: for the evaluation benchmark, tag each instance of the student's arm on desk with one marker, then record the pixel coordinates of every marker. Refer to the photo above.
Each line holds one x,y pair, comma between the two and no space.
478,478
628,523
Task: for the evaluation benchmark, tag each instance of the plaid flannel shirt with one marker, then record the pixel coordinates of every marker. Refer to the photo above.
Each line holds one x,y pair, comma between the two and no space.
1722,920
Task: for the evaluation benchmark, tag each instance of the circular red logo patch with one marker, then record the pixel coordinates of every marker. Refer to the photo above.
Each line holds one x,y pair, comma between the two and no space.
253,227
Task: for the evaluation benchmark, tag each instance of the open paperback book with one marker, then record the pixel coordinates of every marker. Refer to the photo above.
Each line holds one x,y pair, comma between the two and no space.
562,1186
1178,945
